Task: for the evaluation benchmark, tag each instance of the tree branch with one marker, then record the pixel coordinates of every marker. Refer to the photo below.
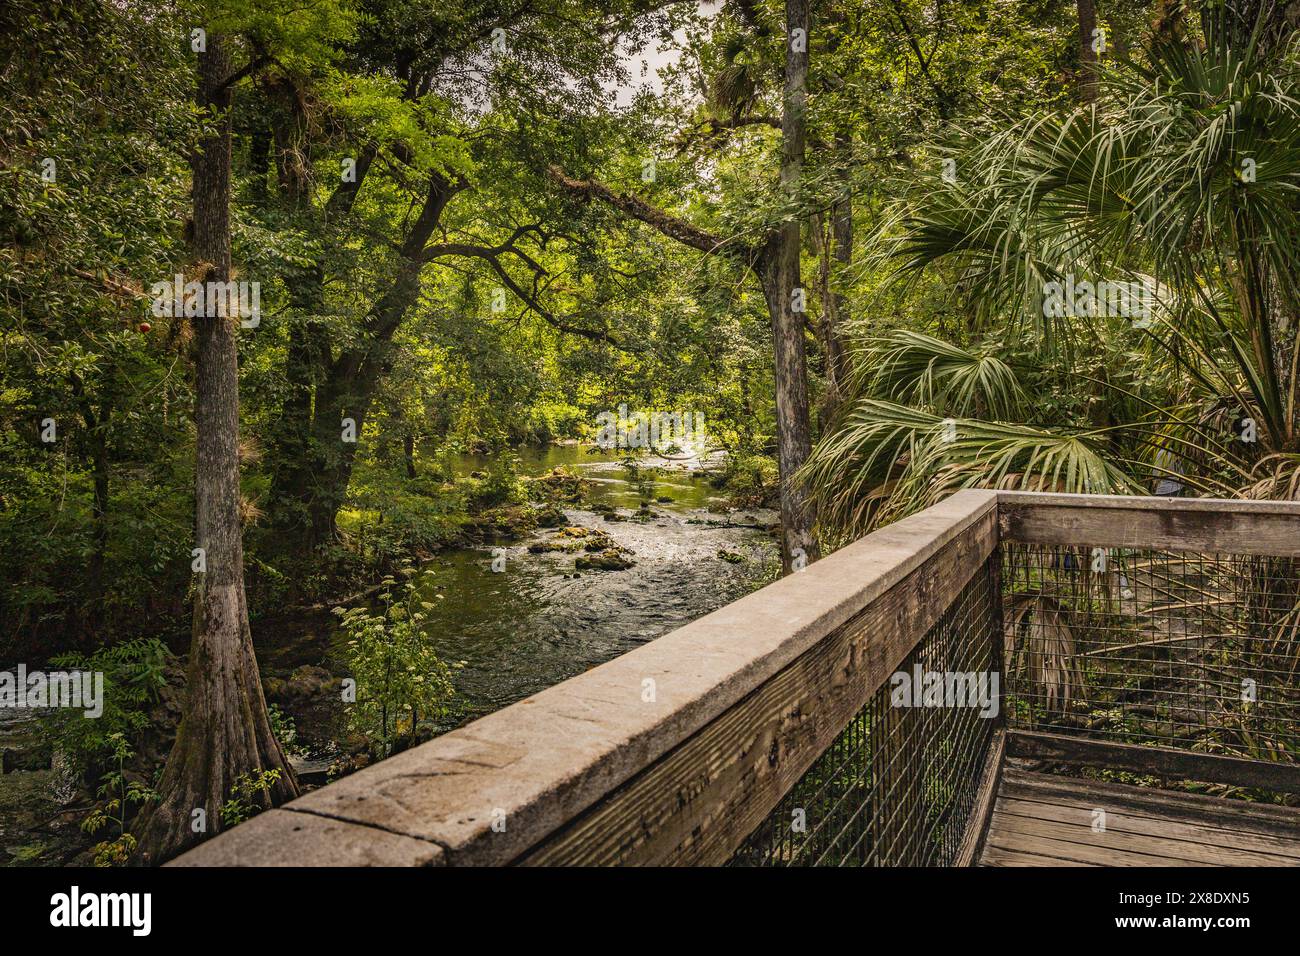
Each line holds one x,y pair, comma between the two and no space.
710,129
492,256
941,94
252,66
676,229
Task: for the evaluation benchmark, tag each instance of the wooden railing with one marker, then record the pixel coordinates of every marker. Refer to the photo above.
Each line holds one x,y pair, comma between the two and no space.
1157,636
764,733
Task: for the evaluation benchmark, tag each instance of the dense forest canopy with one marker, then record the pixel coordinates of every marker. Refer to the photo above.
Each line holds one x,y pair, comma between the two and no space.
886,249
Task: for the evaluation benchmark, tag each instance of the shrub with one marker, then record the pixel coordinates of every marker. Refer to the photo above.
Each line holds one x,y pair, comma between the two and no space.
134,674
399,677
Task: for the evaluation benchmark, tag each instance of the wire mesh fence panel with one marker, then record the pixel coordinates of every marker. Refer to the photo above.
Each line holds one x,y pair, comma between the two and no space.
898,784
1185,650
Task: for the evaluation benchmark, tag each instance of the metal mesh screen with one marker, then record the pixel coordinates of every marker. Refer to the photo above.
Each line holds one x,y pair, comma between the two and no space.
1184,650
897,786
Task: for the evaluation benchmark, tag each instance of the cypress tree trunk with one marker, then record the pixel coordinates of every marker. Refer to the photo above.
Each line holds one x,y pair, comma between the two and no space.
225,730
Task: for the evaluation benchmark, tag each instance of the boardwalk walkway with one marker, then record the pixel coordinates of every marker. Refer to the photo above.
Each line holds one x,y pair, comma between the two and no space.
1042,820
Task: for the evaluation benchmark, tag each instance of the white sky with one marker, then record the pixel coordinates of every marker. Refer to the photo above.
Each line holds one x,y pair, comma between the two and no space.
655,58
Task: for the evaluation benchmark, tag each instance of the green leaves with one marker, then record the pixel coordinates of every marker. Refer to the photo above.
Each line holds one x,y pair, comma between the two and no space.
298,35
400,679
1162,183
377,110
887,460
912,367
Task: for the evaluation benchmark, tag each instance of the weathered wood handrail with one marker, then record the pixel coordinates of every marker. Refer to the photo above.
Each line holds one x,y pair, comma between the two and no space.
1228,526
676,752
599,769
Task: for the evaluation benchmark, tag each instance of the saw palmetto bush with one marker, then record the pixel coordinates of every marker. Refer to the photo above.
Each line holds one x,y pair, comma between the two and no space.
1183,178
1181,181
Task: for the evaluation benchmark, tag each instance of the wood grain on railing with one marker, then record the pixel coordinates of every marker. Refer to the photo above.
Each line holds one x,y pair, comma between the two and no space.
1204,525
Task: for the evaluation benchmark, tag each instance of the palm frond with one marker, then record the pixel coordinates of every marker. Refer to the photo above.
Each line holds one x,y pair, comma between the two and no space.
918,369
927,457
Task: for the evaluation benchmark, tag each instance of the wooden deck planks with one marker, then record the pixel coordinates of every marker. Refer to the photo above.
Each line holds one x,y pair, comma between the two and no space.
1044,820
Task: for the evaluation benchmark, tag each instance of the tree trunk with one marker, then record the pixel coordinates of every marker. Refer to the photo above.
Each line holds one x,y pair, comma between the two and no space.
348,385
297,459
833,244
821,244
842,237
295,462
778,269
225,731
347,392
408,453
779,272
1087,55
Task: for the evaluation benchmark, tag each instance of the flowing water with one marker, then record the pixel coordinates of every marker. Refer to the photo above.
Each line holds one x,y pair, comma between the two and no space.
535,623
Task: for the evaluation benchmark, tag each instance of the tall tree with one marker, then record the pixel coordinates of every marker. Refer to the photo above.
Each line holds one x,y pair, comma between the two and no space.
787,299
225,732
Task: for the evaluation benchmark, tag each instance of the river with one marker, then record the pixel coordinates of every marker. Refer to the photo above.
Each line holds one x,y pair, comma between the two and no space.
535,623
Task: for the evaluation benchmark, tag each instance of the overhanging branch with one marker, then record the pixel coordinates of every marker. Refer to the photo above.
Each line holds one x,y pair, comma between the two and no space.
492,256
669,225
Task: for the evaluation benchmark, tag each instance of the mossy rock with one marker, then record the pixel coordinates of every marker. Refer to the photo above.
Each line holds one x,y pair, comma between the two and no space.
559,484
611,559
574,531
504,522
551,516
549,547
599,541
